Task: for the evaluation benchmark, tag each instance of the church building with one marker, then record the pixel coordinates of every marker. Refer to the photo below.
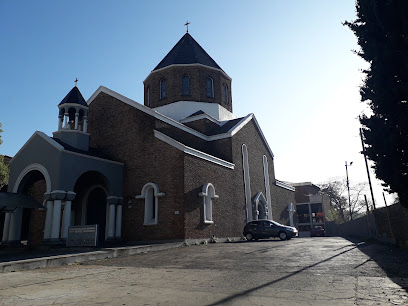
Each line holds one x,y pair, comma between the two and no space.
181,166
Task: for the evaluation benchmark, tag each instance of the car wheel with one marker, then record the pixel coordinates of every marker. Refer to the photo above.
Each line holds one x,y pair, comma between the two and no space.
283,236
249,236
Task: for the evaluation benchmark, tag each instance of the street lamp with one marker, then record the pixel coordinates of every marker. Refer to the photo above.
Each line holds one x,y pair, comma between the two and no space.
348,189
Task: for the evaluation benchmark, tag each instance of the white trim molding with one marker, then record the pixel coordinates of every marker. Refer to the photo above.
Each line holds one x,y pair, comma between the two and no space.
177,124
149,201
52,142
187,65
283,185
260,198
247,182
33,167
208,193
191,151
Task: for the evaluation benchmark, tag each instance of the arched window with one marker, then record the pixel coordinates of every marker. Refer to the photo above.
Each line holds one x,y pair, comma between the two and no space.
151,193
163,89
210,87
208,194
226,94
148,96
185,85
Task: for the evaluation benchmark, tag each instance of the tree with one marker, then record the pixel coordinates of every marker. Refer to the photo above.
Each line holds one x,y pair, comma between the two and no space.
336,190
382,31
4,169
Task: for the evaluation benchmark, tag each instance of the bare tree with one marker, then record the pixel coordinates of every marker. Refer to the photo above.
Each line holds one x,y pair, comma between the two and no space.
340,209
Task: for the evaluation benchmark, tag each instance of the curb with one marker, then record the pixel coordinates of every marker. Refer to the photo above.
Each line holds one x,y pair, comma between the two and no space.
59,260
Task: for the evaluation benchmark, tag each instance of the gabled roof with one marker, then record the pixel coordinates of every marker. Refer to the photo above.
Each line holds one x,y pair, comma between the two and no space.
231,127
74,97
187,51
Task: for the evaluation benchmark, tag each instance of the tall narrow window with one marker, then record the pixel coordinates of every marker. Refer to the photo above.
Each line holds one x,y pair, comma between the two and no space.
148,96
208,194
226,94
185,85
162,88
151,193
210,87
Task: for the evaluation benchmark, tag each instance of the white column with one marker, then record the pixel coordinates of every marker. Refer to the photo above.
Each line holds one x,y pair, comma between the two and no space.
6,227
76,120
118,230
66,116
66,219
85,124
56,220
59,122
48,219
14,230
111,229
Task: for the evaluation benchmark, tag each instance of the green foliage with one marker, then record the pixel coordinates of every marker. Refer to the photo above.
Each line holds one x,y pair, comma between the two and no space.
4,169
382,31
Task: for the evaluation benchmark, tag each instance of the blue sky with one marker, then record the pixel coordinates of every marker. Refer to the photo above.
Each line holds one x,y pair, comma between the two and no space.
290,62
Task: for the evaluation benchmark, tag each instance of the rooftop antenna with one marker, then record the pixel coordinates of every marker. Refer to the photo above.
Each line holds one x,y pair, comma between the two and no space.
76,81
186,24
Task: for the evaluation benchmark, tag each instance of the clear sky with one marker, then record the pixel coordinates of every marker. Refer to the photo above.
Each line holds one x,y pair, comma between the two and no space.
291,64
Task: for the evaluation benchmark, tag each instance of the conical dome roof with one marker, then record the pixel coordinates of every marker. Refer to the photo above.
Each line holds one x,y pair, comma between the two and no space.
74,97
187,51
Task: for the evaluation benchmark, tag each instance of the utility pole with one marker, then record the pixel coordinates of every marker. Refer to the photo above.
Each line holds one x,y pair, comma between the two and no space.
348,189
368,171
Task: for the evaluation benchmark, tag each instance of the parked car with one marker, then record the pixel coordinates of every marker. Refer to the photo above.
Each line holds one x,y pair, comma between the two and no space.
267,228
317,231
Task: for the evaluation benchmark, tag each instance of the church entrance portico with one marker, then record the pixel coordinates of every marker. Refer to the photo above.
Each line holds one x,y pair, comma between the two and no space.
95,205
34,181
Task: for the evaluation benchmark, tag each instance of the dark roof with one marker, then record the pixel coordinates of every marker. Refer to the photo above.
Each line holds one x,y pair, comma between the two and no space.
92,151
227,126
200,112
187,51
75,97
10,201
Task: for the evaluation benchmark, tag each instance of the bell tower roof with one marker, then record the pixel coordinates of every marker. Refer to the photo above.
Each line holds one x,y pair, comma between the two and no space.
187,51
74,97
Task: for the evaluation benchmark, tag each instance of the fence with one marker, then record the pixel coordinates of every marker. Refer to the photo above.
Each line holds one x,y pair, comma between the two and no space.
387,224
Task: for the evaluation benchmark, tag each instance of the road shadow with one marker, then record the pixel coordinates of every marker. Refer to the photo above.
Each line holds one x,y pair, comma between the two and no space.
391,259
232,299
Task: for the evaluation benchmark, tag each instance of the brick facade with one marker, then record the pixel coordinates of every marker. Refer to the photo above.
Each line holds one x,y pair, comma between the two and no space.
198,75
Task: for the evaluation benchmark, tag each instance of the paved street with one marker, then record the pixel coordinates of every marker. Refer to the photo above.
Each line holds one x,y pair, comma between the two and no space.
302,271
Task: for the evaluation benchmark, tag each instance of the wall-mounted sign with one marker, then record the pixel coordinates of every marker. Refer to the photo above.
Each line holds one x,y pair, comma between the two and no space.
83,235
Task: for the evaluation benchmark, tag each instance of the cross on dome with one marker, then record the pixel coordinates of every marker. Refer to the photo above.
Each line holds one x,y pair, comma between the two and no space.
186,24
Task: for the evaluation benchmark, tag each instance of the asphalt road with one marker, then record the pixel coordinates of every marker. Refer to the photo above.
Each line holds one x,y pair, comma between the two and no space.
302,271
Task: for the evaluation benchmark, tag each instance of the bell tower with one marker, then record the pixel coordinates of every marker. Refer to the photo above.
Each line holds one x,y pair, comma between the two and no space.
73,121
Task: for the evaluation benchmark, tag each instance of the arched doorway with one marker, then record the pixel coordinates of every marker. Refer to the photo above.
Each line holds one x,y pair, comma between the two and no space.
90,205
261,210
95,210
32,183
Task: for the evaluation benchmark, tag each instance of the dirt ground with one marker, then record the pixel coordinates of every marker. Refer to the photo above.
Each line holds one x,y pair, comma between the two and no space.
301,271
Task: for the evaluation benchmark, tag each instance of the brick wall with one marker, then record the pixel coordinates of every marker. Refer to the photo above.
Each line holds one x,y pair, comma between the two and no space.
37,217
126,134
280,197
198,75
228,211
